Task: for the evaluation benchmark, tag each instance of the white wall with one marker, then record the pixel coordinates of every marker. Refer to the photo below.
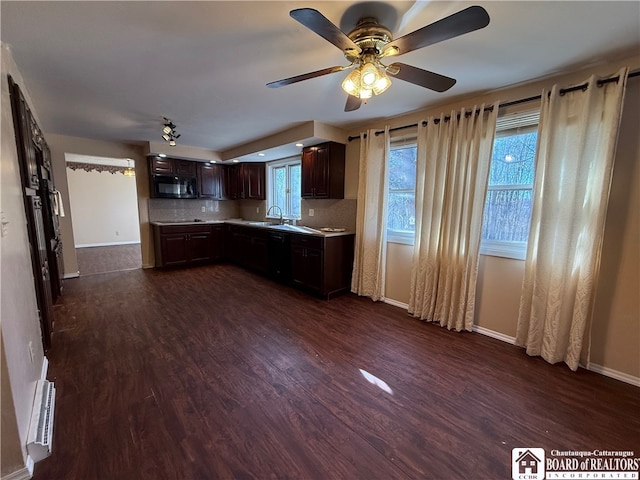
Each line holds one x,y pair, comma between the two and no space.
104,207
18,305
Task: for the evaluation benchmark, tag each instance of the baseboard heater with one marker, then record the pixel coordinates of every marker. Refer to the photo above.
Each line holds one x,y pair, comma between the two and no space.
40,435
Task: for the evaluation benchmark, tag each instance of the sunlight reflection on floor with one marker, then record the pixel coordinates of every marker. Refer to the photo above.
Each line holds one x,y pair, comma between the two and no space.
376,381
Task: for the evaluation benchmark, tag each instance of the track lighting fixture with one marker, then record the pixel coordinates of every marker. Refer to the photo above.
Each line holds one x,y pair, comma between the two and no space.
169,132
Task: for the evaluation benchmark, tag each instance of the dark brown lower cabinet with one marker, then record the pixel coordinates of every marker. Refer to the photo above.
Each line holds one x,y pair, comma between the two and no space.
217,242
322,265
182,245
249,247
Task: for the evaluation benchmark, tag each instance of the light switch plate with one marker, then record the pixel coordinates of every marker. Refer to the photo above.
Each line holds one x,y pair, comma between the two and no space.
311,212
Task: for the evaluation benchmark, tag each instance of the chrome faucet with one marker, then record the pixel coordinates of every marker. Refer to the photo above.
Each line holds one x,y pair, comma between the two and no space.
271,208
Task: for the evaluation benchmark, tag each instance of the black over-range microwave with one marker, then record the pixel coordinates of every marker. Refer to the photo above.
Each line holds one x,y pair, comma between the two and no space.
170,186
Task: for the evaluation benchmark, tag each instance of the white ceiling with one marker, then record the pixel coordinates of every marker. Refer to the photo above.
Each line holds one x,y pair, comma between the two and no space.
112,70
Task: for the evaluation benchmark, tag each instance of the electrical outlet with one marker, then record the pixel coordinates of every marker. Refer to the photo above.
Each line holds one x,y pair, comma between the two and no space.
257,209
311,212
203,209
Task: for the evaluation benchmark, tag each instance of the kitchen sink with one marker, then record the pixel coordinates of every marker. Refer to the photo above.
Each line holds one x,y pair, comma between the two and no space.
262,224
296,228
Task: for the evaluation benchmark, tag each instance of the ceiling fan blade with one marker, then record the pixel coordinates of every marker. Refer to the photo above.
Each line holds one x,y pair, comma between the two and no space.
318,23
304,76
353,103
465,21
424,78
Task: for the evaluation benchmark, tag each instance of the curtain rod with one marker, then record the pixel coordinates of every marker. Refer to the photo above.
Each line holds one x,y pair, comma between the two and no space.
583,86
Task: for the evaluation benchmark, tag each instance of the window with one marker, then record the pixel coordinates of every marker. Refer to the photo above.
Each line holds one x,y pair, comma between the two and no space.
401,210
507,212
283,187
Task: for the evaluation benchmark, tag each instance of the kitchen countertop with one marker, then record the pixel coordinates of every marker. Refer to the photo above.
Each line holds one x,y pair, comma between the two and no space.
260,224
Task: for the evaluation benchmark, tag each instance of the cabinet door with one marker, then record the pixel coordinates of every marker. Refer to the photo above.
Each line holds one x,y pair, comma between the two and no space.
259,253
314,265
174,249
217,242
199,245
209,180
161,166
306,163
232,182
254,180
185,167
298,265
321,172
22,123
225,190
239,246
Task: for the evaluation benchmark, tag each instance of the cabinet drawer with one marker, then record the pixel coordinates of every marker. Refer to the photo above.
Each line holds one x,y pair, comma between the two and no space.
170,229
307,241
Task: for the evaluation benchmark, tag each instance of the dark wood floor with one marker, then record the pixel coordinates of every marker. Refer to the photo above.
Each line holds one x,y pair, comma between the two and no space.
215,373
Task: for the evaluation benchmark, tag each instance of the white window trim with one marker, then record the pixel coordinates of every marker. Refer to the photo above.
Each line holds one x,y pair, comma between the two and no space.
269,183
403,237
502,248
495,248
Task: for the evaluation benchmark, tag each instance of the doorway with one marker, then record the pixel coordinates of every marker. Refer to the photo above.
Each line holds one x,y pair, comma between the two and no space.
104,207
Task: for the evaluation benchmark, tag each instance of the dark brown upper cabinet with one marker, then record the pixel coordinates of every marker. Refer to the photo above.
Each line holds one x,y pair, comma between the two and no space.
173,166
246,181
323,171
162,166
210,181
253,181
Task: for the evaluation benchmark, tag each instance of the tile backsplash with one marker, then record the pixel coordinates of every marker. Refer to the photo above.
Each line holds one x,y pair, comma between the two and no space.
327,213
167,209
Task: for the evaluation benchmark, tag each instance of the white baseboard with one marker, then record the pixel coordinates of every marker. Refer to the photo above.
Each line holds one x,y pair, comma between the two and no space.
148,266
396,303
606,371
71,275
494,334
106,244
609,372
22,474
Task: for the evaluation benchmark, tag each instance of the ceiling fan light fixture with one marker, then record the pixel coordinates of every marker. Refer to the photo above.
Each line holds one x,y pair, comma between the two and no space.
365,93
351,84
369,75
383,83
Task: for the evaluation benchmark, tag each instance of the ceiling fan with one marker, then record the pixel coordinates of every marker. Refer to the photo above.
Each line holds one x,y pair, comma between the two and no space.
369,43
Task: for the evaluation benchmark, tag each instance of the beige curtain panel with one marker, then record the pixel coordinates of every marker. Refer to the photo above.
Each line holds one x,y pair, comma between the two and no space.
575,155
370,256
453,160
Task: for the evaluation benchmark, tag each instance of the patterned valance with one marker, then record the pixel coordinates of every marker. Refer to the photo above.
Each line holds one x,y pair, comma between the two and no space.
87,167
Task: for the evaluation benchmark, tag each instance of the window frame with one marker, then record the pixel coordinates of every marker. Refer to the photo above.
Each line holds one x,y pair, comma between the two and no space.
270,185
402,236
513,124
